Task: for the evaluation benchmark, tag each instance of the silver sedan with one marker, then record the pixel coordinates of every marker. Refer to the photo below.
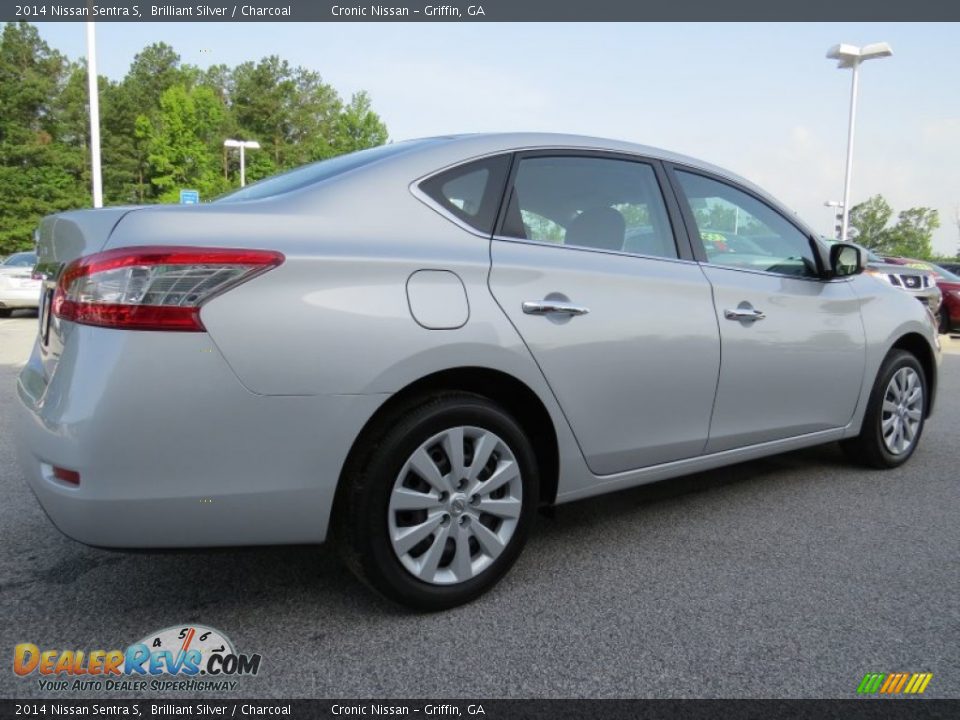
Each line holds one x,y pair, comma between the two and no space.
411,348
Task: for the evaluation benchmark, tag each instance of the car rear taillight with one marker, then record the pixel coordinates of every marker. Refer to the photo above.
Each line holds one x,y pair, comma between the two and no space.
153,288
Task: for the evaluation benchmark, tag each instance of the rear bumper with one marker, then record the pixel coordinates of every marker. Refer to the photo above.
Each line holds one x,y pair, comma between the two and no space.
172,450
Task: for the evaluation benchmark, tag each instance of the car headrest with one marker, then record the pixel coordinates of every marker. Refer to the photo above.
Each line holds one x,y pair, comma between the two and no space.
602,228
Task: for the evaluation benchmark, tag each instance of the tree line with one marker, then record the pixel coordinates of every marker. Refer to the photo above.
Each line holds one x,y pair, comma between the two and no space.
162,128
910,236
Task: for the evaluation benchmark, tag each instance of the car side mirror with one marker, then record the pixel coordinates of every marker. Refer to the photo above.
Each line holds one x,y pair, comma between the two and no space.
847,259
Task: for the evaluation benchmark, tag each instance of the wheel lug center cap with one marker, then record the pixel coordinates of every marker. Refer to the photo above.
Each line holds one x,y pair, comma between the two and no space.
457,505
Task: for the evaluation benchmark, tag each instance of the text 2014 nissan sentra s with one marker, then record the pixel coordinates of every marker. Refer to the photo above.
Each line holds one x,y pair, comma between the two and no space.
408,349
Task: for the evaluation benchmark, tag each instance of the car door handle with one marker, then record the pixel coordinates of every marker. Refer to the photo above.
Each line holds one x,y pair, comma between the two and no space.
547,307
748,314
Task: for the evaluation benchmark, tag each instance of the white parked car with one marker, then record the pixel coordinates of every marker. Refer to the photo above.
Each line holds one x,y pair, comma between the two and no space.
18,288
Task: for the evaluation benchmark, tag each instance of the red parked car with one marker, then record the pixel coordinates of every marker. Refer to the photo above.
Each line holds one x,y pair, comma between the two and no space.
949,285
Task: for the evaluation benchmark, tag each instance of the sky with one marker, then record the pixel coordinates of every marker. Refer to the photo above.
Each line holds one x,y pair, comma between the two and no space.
759,99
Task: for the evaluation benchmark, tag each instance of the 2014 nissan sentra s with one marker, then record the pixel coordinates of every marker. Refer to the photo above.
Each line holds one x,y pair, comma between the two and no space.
409,349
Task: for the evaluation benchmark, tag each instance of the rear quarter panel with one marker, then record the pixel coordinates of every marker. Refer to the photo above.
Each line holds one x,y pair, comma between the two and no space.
334,318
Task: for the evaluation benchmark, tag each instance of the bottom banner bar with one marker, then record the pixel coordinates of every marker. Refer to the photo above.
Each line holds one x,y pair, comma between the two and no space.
866,709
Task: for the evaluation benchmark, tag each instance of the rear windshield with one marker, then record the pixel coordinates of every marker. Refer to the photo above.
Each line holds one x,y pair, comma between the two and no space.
316,172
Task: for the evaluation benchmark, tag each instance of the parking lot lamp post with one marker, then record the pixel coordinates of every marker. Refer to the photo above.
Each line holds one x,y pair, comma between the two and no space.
243,145
94,99
838,216
850,56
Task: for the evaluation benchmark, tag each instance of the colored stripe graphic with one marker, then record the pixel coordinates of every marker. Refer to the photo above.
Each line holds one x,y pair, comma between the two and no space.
894,683
870,683
890,682
927,677
900,682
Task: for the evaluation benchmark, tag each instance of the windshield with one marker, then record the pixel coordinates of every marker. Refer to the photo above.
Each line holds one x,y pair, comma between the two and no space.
936,270
316,172
945,274
24,259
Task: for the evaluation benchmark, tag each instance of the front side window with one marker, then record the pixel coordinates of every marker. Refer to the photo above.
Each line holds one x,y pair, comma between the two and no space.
471,192
737,230
589,202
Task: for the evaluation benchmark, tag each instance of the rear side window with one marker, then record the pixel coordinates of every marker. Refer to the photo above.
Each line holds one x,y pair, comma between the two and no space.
471,192
590,202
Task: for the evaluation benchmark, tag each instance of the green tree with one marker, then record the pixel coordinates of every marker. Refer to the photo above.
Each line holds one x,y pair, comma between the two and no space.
290,111
358,127
162,127
183,142
40,171
911,236
869,222
153,71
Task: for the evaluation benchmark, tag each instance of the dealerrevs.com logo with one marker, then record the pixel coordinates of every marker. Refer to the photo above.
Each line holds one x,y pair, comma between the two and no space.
183,657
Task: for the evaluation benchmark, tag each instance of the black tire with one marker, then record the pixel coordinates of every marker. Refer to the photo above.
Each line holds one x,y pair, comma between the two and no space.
868,448
5,312
361,511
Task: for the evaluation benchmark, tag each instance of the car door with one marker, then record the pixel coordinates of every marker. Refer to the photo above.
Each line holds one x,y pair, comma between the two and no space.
792,341
586,265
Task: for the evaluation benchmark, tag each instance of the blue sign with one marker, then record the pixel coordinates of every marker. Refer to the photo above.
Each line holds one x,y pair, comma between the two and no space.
189,197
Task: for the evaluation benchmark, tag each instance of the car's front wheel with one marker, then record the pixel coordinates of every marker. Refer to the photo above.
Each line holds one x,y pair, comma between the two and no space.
895,414
438,501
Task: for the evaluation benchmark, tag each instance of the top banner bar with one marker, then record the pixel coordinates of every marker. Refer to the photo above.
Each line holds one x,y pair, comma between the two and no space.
477,11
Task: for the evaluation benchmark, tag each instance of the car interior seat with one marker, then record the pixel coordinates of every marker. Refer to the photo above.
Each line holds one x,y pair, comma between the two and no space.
602,228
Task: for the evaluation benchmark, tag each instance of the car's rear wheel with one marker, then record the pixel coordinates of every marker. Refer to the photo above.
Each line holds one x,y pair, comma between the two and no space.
438,501
5,312
893,422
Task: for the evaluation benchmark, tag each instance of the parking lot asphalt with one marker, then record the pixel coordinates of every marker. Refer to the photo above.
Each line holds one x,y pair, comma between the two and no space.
786,577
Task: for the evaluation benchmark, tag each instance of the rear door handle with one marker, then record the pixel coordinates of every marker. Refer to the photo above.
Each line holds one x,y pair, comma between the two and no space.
547,307
748,314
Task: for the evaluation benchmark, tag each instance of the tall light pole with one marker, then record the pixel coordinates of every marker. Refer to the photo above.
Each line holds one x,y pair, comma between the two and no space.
850,56
837,215
243,145
94,97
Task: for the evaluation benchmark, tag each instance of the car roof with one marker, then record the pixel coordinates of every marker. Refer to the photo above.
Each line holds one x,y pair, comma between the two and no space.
462,147
512,141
